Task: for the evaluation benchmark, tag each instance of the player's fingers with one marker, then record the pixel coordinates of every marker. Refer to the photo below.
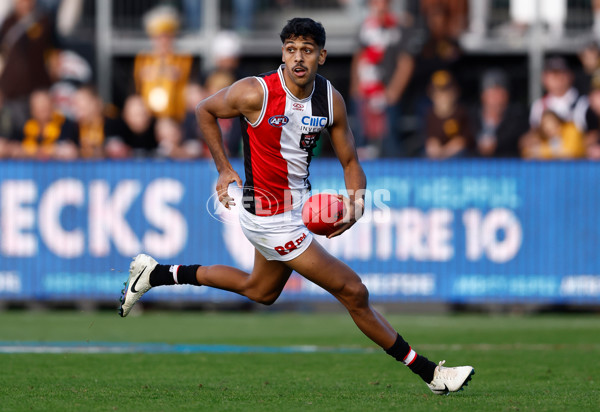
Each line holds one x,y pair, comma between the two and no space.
224,197
334,234
344,226
227,202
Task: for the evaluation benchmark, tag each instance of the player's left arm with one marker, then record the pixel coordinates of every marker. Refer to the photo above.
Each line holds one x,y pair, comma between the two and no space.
342,141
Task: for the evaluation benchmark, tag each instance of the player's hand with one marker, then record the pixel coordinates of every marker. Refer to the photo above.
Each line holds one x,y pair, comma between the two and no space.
353,212
225,179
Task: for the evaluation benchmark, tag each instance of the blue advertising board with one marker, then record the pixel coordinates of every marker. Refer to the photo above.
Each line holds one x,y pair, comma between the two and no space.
464,231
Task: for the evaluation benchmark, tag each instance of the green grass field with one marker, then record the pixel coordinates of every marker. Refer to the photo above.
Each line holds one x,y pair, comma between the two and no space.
529,363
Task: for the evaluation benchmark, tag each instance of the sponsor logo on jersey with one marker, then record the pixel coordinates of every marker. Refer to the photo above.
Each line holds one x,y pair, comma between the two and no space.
314,121
278,121
297,106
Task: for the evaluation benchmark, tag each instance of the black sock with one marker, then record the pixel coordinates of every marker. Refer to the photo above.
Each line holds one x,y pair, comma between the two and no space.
166,275
423,367
399,350
186,275
420,365
161,276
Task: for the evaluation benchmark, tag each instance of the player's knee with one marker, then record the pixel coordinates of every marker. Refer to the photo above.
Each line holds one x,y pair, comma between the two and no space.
266,299
356,295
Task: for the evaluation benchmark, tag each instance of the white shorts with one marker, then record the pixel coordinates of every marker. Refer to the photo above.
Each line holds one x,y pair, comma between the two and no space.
279,237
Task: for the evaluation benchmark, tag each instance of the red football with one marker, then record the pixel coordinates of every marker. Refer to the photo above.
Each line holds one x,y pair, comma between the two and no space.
321,211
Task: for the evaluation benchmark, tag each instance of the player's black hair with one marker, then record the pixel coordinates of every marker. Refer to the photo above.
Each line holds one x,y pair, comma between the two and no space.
305,27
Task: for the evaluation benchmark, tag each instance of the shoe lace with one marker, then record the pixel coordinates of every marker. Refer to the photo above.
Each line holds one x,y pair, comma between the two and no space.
440,364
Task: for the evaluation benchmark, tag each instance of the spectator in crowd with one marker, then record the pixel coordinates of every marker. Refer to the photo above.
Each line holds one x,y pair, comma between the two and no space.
138,127
440,51
447,132
497,123
592,117
39,136
68,71
161,75
25,40
458,12
225,54
589,57
561,97
380,72
89,136
172,143
6,130
554,138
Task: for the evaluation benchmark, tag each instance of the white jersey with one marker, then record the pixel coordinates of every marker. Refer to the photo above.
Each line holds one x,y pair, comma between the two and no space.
278,146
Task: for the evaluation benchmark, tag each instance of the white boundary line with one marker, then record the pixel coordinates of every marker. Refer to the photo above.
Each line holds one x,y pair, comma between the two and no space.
129,347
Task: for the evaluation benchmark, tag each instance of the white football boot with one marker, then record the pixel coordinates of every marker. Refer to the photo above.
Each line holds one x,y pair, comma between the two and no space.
138,282
446,380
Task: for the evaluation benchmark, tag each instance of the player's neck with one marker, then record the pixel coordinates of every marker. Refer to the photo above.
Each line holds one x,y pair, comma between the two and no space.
299,92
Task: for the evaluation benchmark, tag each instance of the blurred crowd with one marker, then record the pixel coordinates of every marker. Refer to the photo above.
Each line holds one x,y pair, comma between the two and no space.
405,65
396,64
50,108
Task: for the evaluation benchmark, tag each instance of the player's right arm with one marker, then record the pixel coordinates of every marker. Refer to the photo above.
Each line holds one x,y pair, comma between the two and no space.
243,98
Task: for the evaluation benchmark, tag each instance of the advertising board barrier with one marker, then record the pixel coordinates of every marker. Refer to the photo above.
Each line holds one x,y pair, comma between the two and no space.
460,231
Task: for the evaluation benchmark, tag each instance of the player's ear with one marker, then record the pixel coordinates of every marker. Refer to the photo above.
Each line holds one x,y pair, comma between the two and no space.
322,57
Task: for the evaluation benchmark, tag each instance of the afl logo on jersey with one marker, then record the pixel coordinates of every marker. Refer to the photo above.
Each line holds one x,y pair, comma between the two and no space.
278,121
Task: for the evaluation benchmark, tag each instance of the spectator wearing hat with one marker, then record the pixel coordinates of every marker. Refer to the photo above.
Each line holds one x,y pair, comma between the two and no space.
561,97
161,74
496,122
69,72
226,50
447,129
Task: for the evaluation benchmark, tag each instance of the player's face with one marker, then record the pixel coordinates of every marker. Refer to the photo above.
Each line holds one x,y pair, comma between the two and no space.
302,58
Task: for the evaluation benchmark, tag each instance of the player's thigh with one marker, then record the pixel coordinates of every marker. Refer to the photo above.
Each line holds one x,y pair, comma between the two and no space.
323,269
268,276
